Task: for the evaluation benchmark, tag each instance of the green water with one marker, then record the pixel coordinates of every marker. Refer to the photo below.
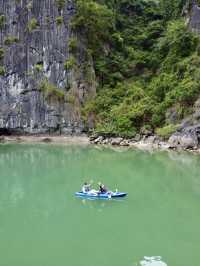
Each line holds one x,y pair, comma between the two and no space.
42,223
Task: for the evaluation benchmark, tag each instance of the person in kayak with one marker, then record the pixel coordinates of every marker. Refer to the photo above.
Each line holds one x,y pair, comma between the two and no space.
102,188
86,188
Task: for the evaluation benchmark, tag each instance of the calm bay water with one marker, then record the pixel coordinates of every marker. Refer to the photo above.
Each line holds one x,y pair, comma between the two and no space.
42,223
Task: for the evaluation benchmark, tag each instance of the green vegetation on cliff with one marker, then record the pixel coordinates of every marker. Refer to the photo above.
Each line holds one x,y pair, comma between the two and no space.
146,61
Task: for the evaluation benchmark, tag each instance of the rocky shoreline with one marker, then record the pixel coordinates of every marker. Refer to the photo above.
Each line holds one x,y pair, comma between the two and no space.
145,142
175,142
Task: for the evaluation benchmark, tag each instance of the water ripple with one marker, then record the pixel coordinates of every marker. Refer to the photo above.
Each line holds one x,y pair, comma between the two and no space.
152,261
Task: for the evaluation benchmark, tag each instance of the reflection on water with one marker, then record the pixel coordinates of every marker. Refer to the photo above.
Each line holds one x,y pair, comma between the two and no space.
100,204
152,261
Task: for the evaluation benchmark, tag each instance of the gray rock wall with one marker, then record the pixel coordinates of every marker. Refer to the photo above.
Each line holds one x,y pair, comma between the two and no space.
194,17
188,133
35,51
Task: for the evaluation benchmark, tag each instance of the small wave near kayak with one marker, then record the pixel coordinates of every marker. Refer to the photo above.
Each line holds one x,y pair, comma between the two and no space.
152,261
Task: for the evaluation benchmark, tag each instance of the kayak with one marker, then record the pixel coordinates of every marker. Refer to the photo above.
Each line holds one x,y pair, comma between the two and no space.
107,195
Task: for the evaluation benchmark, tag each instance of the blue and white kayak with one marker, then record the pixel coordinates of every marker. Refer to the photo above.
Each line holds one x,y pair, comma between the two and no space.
107,195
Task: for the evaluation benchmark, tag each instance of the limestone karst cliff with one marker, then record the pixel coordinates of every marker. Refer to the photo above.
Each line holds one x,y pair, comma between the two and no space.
145,56
42,86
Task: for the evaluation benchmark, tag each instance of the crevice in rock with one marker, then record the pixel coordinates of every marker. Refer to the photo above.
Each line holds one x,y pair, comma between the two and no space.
5,132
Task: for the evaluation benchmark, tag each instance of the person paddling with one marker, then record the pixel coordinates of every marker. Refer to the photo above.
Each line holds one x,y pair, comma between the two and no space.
86,187
102,188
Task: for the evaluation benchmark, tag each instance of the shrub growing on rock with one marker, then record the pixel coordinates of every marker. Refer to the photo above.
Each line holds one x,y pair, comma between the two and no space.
32,24
2,71
39,66
73,45
60,4
2,21
1,53
59,20
70,63
166,131
9,40
50,91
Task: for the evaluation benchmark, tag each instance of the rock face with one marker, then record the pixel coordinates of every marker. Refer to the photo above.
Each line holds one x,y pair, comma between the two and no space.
184,141
39,91
194,17
188,134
